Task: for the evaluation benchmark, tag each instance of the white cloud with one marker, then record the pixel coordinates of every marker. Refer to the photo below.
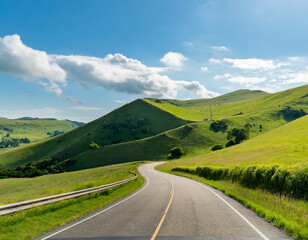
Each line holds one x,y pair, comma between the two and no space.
221,48
115,72
86,108
299,77
33,65
216,61
247,81
226,75
119,101
253,63
173,59
204,69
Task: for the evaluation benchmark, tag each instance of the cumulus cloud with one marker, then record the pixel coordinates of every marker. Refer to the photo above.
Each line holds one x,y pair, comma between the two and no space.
221,48
299,77
253,63
173,60
204,69
115,71
33,65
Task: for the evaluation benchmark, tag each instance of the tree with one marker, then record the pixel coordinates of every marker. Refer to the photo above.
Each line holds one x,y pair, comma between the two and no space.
238,135
217,147
176,152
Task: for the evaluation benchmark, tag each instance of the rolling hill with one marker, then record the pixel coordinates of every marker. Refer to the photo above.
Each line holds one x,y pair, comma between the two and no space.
33,128
135,120
146,129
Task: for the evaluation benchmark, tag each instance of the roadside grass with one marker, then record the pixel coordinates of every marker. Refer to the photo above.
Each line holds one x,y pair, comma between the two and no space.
283,148
21,189
34,222
286,213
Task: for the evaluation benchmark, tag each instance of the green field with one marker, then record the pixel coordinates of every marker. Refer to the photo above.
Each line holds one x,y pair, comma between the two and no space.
285,146
34,222
35,130
21,189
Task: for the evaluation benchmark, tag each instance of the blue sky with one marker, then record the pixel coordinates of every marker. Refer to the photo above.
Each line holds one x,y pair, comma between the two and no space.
81,59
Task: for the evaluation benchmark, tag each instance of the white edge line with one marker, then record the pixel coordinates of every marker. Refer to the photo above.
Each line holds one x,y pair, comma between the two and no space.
237,212
106,209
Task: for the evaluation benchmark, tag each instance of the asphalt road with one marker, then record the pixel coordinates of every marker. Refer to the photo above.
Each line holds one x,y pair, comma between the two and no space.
171,207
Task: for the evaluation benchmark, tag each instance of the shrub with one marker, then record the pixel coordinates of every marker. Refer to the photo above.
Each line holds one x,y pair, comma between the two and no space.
238,135
217,147
176,152
290,114
292,183
220,125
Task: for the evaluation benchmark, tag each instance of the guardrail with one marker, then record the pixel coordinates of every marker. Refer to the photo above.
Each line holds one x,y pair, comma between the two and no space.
15,207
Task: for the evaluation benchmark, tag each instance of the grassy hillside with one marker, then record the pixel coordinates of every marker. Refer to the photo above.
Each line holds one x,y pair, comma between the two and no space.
273,103
194,138
135,120
238,95
284,146
137,131
35,130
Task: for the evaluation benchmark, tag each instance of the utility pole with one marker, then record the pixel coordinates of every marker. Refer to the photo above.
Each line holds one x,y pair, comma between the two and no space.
211,112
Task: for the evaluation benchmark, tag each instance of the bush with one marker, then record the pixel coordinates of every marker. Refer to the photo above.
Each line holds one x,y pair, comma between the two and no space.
176,152
291,183
290,114
238,135
219,126
217,147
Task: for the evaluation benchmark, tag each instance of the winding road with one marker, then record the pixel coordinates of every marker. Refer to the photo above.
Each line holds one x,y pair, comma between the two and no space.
171,207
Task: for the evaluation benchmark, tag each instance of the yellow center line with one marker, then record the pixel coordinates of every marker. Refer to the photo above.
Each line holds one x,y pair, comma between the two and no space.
168,206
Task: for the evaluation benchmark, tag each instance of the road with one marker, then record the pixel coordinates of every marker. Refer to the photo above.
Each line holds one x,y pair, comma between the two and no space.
171,207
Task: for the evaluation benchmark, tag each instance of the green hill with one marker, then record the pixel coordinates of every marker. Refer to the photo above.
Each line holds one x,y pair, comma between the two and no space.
34,129
146,129
285,146
133,121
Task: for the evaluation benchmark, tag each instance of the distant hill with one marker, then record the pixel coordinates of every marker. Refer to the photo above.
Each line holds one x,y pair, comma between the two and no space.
35,129
146,129
76,122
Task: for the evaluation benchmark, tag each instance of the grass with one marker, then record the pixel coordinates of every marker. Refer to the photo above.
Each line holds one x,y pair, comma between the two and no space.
21,189
133,121
286,146
286,213
35,130
147,129
31,223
